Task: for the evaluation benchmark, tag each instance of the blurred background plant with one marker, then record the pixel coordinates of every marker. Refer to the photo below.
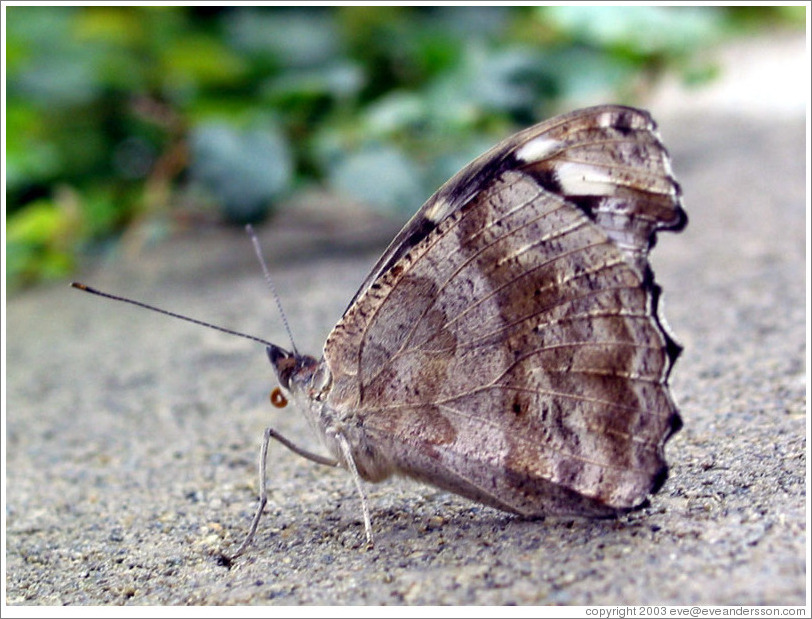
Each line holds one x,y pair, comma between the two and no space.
162,117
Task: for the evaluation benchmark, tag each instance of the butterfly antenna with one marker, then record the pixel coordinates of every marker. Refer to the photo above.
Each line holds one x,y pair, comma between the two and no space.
114,297
250,230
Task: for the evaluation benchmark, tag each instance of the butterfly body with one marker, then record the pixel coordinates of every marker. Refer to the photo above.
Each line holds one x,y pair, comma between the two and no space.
508,346
309,382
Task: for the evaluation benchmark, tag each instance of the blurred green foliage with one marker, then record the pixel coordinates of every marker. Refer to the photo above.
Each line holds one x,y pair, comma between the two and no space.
118,116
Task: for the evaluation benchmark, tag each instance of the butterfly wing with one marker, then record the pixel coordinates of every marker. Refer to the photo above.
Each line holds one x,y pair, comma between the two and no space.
507,345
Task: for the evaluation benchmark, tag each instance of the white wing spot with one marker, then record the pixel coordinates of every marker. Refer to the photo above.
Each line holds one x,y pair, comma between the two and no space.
437,211
537,149
605,120
579,179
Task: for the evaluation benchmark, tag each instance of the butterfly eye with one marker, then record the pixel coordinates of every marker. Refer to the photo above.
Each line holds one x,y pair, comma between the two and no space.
278,399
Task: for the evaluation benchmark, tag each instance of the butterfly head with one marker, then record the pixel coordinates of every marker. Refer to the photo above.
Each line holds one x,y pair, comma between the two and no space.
298,373
284,363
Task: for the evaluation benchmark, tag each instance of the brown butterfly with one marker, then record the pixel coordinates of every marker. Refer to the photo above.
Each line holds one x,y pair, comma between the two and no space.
507,346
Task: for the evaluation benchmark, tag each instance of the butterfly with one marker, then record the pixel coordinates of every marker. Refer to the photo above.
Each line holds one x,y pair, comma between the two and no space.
508,345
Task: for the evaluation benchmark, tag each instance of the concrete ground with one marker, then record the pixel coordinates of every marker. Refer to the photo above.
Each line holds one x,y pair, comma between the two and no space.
132,438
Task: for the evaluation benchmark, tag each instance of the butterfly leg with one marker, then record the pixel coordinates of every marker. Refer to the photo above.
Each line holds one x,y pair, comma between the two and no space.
347,451
263,487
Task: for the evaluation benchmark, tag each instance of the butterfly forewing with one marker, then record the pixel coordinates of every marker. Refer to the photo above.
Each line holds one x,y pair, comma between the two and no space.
618,138
507,345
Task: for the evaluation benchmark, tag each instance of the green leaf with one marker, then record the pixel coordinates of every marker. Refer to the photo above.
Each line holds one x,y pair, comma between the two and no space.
641,29
382,176
244,169
37,222
199,60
